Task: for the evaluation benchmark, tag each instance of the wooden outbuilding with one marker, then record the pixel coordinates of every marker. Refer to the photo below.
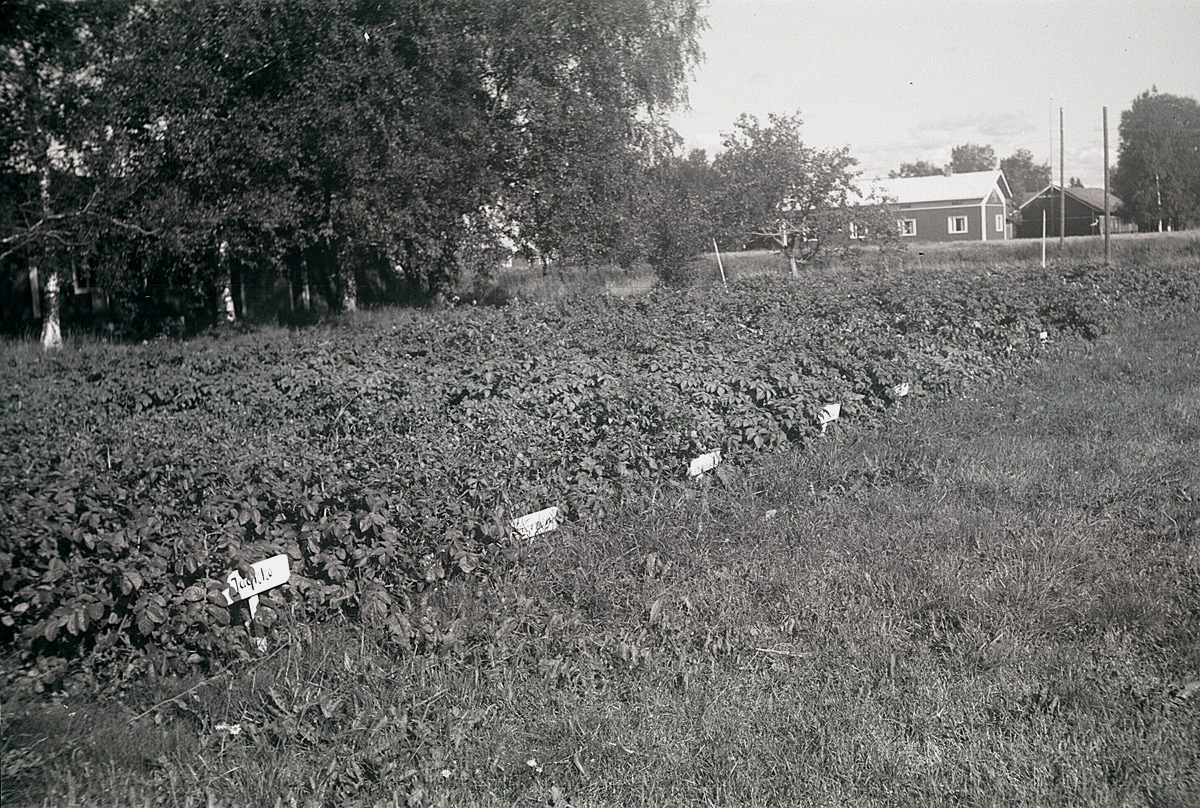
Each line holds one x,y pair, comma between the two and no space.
1084,213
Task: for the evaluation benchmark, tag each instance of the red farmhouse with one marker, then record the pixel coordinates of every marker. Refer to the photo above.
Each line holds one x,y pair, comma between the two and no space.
961,207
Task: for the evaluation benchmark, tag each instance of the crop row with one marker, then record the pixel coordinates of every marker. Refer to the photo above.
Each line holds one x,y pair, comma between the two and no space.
387,453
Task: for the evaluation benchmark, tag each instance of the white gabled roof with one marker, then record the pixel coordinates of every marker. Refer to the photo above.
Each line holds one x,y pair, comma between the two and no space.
938,188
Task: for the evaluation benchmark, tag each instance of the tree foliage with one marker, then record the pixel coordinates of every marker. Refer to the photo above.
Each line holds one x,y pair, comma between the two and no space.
1158,164
578,95
317,138
324,134
1023,174
921,168
680,215
52,204
48,86
972,157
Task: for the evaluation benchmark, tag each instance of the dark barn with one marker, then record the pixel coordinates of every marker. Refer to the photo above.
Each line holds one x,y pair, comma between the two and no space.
1084,213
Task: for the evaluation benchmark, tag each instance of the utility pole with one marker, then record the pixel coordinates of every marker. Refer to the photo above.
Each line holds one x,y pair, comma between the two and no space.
1062,183
1046,207
1106,211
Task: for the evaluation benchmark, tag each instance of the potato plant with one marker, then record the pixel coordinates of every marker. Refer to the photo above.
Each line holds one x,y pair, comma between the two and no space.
386,455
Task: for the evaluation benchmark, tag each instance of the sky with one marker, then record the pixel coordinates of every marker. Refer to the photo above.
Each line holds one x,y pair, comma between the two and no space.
908,80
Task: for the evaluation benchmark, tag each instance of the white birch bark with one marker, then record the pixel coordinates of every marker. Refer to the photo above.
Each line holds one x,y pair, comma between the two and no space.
52,322
225,285
52,307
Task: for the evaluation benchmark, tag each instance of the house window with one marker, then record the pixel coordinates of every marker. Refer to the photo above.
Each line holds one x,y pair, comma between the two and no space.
857,230
907,227
957,224
999,222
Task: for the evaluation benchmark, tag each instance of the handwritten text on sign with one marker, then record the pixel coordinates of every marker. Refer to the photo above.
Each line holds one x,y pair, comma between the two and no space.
266,574
537,523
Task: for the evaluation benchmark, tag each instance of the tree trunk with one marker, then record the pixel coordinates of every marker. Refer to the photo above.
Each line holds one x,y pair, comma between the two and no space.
348,285
35,292
52,310
787,246
52,322
241,289
226,312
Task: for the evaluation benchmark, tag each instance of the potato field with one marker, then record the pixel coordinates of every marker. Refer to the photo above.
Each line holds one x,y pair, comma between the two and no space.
388,453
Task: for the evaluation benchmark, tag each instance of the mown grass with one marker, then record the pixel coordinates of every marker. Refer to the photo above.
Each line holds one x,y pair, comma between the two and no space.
990,602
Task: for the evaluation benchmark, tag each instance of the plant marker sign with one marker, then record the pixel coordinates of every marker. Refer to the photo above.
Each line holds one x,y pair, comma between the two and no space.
266,574
703,463
536,523
828,414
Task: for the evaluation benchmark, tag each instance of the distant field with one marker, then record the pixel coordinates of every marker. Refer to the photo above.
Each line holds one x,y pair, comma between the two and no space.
985,592
1129,248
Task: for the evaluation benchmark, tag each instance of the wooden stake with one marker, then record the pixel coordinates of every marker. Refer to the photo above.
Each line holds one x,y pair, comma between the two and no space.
721,266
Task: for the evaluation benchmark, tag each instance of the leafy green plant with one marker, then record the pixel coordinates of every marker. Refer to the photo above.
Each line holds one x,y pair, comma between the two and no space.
388,458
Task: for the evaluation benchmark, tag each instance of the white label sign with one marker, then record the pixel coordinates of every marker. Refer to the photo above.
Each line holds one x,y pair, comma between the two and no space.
901,390
828,414
266,574
537,523
703,463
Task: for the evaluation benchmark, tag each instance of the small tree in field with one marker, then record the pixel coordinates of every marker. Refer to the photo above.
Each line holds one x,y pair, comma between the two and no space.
777,188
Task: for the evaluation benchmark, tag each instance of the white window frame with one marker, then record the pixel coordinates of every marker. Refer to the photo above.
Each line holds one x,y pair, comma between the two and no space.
952,220
857,231
905,231
999,222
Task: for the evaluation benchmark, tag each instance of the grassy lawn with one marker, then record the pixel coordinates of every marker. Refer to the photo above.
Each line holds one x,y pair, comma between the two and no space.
990,602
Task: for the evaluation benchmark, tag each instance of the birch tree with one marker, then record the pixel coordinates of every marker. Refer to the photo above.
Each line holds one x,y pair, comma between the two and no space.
49,211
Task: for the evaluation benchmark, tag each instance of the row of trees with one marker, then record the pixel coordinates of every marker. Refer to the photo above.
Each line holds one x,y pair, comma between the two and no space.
171,143
182,145
1023,173
311,145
